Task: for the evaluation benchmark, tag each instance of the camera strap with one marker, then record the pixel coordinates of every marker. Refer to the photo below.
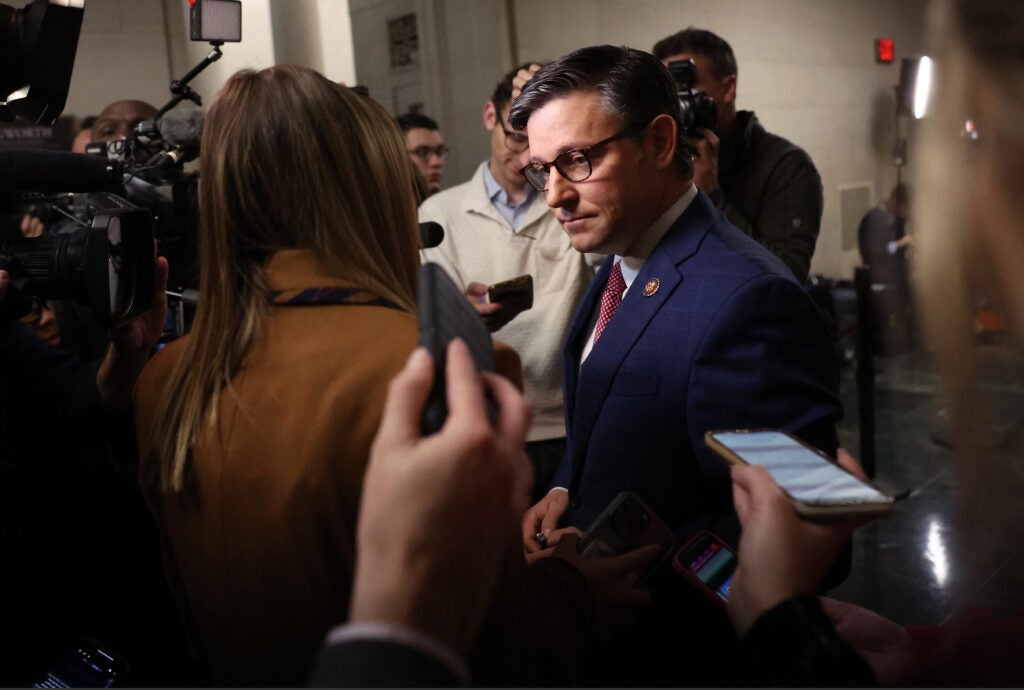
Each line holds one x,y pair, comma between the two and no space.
322,296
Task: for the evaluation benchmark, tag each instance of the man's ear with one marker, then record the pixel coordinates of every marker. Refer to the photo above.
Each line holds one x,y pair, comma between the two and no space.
729,89
660,140
490,114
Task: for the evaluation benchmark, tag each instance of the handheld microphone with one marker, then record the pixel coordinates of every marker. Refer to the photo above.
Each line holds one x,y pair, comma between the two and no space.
431,234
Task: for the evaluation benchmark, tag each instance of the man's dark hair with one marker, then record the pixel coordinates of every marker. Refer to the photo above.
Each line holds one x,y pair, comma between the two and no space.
631,84
409,121
503,89
699,42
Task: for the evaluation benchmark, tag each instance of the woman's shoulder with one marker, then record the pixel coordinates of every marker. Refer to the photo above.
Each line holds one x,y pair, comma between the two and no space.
157,370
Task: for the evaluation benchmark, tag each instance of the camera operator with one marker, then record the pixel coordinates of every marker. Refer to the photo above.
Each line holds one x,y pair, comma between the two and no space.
70,519
767,186
118,120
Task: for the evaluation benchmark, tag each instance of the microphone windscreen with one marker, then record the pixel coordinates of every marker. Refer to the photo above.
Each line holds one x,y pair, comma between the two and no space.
182,126
431,234
39,170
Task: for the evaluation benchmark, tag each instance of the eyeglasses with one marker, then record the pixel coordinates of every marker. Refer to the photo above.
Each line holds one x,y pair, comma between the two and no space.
425,152
574,164
516,143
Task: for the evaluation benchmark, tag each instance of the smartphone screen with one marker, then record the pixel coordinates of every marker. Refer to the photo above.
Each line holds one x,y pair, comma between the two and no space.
805,475
88,666
708,560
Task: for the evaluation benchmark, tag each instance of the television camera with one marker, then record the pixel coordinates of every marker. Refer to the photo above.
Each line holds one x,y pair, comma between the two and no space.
106,213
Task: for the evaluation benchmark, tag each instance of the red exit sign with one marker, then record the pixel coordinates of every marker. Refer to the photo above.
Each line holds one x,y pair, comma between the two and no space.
885,50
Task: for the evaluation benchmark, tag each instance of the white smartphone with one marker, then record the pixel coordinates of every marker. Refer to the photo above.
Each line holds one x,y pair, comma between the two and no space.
818,486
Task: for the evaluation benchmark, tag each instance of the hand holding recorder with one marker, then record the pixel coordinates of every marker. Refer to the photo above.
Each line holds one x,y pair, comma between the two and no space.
438,512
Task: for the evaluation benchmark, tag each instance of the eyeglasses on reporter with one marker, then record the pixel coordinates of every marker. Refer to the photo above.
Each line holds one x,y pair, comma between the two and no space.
514,142
574,164
425,152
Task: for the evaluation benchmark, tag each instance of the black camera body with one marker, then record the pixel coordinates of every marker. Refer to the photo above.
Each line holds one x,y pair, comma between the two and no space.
699,111
106,264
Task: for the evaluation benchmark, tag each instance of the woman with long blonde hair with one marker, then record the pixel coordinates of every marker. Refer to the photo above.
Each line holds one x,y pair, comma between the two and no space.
254,430
969,170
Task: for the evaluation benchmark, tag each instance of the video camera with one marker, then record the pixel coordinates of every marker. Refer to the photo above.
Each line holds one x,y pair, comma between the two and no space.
109,262
699,111
114,207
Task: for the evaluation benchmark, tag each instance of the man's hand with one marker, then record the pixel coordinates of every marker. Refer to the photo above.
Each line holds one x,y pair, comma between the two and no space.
543,519
523,76
781,555
494,314
883,643
705,161
130,347
612,579
438,513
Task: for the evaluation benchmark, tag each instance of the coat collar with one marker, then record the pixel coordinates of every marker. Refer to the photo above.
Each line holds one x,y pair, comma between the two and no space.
296,269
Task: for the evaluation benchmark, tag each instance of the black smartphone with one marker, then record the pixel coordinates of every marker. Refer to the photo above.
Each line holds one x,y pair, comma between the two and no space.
90,665
515,294
818,487
708,563
626,524
445,313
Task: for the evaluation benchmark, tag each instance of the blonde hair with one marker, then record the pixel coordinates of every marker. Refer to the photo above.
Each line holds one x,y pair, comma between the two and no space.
290,160
978,47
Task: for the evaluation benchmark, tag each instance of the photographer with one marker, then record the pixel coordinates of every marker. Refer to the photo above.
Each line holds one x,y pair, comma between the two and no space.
768,187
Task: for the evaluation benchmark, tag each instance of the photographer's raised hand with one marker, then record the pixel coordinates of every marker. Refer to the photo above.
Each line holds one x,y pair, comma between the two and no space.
131,345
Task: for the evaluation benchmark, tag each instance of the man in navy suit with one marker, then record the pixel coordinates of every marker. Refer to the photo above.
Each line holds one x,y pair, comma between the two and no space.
690,325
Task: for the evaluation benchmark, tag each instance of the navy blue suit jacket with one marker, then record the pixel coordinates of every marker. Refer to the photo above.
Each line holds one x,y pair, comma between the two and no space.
728,340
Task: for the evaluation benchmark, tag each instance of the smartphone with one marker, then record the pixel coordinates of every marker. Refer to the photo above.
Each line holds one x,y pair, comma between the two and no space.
444,314
515,294
90,665
708,563
819,488
215,20
626,524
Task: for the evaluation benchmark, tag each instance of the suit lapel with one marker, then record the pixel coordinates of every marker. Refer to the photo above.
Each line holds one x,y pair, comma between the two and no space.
587,390
576,337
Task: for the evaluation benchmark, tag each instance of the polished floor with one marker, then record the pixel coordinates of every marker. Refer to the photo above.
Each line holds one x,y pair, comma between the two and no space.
921,565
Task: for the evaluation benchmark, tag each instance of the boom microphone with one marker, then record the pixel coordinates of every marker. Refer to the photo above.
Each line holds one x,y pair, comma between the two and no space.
182,126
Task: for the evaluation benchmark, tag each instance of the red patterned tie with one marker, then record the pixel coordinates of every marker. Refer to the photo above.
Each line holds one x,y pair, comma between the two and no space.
611,299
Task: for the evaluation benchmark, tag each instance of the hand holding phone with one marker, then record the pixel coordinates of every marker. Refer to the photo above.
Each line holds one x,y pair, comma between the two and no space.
818,487
625,525
499,303
709,564
781,555
445,314
515,294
